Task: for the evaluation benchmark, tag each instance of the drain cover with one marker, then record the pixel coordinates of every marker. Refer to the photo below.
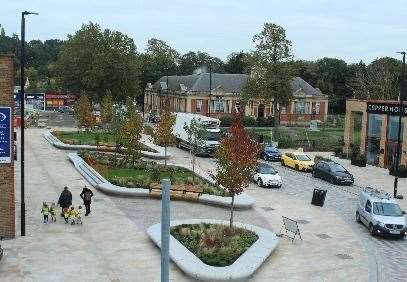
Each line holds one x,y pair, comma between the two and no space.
302,221
267,209
344,256
323,236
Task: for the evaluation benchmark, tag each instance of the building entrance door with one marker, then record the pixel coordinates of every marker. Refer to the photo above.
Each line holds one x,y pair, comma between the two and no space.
390,155
373,151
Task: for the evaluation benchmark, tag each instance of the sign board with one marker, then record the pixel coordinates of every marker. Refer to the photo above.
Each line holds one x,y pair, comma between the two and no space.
5,135
385,109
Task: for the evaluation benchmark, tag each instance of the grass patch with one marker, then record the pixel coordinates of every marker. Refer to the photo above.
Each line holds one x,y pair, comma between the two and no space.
142,174
90,138
214,244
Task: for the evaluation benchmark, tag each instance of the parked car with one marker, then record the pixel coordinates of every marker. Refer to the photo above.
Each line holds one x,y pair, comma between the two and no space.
332,172
153,117
271,153
267,176
297,160
65,109
380,213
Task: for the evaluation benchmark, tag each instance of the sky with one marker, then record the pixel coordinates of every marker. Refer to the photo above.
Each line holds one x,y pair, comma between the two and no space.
351,30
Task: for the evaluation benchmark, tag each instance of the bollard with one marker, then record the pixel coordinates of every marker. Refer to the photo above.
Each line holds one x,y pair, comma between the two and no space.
165,229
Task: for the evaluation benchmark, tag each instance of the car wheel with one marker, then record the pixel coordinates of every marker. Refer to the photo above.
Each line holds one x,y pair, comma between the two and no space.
357,217
314,174
259,182
332,180
282,163
371,230
297,167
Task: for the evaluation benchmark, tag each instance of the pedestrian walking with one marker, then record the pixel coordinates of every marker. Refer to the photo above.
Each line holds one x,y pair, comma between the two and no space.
86,196
65,200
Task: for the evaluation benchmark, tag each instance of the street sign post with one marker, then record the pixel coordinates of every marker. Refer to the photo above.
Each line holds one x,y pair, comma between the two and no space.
5,135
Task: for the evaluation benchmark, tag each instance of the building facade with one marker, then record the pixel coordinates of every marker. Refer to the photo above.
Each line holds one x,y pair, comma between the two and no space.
191,94
378,126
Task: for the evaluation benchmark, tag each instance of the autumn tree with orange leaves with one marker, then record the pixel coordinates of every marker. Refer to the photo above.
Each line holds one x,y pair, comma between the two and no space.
236,160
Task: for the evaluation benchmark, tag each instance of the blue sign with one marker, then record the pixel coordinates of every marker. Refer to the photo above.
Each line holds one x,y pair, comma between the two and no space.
5,135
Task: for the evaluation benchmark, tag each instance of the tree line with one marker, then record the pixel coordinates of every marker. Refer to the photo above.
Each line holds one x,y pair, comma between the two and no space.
100,61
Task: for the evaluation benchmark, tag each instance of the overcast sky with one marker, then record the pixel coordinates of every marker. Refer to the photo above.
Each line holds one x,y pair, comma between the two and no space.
352,30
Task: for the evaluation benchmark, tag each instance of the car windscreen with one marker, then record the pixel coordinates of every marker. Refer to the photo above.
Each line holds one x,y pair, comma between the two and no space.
212,136
302,157
270,150
266,169
387,209
337,168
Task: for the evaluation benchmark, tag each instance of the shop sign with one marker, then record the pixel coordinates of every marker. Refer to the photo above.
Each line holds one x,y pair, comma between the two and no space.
5,135
385,109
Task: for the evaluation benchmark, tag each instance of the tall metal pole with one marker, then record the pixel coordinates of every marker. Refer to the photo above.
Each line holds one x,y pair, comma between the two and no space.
22,100
210,89
165,230
398,151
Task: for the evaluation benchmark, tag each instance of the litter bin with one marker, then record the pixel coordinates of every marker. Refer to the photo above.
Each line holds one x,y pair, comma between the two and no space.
318,197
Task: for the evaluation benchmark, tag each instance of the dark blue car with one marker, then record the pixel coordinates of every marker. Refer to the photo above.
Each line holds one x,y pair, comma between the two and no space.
271,154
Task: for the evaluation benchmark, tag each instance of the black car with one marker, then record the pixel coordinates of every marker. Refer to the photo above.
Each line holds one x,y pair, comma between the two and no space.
271,154
332,172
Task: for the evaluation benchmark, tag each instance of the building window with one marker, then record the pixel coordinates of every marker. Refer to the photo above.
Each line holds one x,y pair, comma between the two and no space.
299,107
198,106
317,107
373,138
393,128
219,106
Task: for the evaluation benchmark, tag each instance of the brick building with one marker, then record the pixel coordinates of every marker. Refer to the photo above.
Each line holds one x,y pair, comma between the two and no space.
379,122
190,93
7,205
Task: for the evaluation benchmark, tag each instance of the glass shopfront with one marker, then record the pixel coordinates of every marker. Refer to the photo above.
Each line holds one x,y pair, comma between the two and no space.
375,123
391,142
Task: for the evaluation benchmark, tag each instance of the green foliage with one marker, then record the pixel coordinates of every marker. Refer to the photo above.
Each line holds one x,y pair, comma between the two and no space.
237,62
192,61
99,61
107,109
213,244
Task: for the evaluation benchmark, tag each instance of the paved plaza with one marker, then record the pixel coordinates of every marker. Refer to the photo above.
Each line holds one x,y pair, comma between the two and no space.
112,244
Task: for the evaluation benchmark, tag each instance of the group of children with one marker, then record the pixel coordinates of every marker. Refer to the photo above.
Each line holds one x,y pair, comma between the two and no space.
72,215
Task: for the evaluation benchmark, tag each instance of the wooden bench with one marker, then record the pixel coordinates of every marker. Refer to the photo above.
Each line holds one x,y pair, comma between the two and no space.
177,191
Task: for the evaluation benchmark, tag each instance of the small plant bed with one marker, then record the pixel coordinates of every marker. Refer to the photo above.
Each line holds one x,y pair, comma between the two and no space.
214,244
92,138
146,174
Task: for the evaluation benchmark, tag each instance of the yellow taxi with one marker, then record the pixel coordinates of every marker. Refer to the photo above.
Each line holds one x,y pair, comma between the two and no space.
297,160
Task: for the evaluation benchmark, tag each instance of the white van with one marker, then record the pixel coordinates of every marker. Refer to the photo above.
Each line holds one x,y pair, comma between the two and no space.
380,213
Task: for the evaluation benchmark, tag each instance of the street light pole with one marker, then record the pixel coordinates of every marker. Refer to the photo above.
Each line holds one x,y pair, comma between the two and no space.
398,152
22,100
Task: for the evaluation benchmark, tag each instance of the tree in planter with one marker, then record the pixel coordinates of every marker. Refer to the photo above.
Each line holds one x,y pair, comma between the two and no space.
84,112
131,131
236,160
196,138
163,132
107,110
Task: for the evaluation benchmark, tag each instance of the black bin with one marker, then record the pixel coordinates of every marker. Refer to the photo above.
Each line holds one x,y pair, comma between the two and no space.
318,197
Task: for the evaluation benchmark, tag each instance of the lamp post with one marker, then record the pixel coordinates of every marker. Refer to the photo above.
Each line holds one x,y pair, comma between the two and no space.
22,98
402,89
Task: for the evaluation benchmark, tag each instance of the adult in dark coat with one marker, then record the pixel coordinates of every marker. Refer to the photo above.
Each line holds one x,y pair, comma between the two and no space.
86,196
65,200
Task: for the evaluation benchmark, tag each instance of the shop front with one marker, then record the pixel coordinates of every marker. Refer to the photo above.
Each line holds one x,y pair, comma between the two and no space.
54,100
378,131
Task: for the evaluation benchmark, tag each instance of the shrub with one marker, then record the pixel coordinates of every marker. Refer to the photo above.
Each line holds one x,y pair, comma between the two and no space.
249,121
226,121
214,244
265,122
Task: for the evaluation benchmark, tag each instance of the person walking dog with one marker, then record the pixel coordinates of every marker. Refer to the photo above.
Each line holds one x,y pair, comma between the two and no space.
65,200
86,196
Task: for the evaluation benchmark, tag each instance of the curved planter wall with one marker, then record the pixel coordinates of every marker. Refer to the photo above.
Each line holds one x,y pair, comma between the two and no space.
144,140
241,270
242,201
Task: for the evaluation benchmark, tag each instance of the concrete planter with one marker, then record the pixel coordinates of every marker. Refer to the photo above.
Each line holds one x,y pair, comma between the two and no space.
242,201
241,270
158,155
